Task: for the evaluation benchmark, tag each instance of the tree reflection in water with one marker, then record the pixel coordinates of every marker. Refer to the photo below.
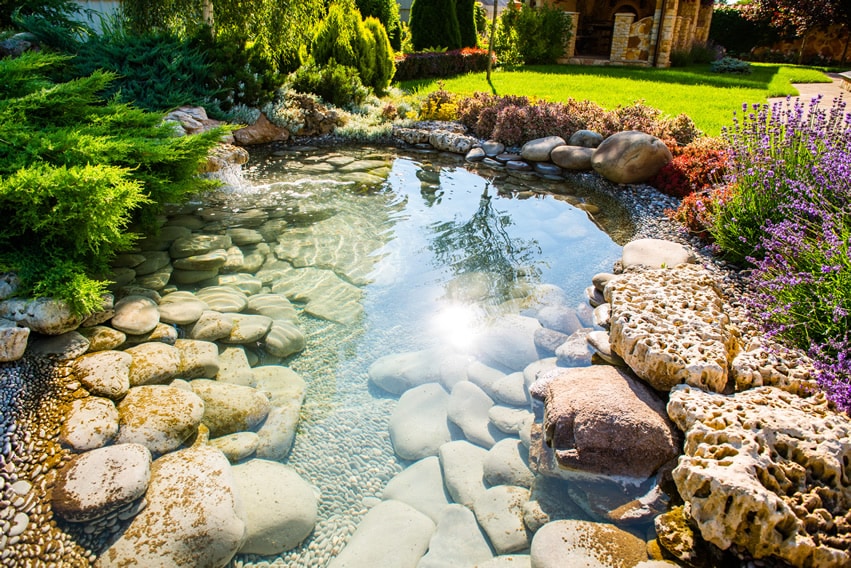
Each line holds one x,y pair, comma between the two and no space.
483,245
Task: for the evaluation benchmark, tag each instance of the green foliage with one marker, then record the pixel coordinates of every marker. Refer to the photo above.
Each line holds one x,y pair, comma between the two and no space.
156,71
345,38
465,10
738,34
337,84
385,65
56,11
75,170
275,31
731,65
434,23
387,12
537,34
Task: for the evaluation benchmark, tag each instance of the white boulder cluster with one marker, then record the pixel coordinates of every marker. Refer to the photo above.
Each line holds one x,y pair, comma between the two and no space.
624,157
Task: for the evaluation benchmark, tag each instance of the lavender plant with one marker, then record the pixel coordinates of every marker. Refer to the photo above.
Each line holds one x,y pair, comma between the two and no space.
790,216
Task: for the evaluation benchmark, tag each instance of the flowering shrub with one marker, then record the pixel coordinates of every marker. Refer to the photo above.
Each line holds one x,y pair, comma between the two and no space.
790,216
436,64
439,105
512,119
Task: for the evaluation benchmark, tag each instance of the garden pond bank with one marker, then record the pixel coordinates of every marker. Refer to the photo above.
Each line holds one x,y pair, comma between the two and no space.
265,300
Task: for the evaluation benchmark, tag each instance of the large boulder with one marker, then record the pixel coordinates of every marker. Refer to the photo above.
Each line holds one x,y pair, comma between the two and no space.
767,471
193,518
670,326
583,543
159,417
655,253
280,506
153,363
42,315
391,535
96,483
538,150
91,422
230,408
572,157
418,425
586,436
104,373
261,132
630,157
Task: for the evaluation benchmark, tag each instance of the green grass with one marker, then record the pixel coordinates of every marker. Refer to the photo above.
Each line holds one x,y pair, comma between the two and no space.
710,99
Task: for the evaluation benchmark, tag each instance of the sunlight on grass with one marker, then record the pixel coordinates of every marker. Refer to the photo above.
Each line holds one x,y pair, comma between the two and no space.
710,99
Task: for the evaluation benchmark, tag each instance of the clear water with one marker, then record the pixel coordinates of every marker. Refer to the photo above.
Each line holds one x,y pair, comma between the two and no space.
435,248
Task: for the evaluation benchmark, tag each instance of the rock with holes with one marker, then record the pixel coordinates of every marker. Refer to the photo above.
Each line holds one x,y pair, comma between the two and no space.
767,471
671,327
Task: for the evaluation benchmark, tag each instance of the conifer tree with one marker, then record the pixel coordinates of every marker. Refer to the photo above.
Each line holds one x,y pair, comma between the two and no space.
434,24
466,12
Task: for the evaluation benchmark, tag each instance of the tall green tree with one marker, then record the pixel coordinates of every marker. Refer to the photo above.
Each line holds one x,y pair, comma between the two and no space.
434,24
465,11
387,12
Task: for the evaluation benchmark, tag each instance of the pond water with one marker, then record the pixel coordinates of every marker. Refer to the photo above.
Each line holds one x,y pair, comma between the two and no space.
427,250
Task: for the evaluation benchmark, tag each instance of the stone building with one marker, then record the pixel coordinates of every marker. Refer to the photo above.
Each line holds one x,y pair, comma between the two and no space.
633,32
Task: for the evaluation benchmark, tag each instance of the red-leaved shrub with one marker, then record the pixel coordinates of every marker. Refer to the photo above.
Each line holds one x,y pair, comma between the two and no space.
440,64
695,167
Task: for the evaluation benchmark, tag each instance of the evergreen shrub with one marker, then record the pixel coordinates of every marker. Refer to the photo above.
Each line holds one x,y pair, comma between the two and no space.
434,24
538,35
75,171
387,12
336,84
466,12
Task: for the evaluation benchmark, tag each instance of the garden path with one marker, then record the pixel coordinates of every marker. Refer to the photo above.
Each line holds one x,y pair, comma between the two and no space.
809,90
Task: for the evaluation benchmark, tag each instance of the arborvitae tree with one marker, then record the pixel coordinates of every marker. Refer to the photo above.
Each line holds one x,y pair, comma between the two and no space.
385,66
466,12
434,24
387,12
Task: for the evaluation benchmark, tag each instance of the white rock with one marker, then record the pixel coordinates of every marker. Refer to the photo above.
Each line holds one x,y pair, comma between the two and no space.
237,447
153,363
418,424
583,543
283,339
509,420
286,391
230,408
159,417
198,359
13,341
246,328
655,253
91,422
458,541
280,506
212,325
507,561
96,483
507,463
370,546
511,390
193,517
499,511
135,315
483,376
462,464
421,487
234,367
402,371
104,373
510,342
468,409
181,308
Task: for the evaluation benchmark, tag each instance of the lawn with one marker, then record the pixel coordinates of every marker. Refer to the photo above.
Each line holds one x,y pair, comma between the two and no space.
708,98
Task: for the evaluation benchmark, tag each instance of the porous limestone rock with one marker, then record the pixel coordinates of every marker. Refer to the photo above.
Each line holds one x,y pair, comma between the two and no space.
630,157
586,436
670,327
768,471
758,366
451,141
96,483
193,518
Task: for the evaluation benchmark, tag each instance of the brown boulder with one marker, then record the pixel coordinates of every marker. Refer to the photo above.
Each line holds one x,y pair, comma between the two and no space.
261,132
601,420
572,157
630,157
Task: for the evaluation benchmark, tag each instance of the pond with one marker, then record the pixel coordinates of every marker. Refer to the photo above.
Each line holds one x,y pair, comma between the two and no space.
418,251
